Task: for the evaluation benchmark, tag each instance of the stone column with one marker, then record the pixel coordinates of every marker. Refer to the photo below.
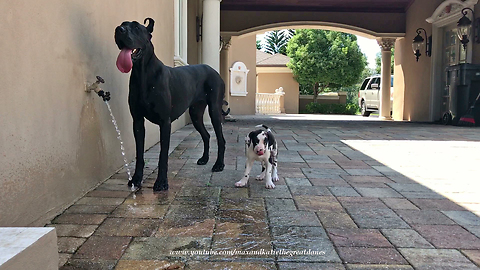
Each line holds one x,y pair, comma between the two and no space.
386,45
225,70
211,33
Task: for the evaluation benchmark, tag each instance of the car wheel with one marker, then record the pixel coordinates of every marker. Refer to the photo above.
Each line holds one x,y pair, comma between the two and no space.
363,110
447,118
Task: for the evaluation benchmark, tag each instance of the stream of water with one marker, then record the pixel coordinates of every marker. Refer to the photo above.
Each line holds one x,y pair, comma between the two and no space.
119,137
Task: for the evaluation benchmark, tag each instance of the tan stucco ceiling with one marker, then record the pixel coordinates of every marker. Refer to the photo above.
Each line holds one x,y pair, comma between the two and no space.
382,6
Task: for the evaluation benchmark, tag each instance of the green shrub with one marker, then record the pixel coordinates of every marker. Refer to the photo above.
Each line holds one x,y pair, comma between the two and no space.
349,108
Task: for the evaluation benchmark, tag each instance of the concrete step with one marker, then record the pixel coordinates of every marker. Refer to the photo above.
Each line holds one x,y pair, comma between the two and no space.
28,248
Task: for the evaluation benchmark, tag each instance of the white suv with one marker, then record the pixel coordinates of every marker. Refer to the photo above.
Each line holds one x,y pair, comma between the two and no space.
369,95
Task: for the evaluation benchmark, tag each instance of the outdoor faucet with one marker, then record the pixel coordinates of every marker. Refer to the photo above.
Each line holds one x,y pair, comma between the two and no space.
95,87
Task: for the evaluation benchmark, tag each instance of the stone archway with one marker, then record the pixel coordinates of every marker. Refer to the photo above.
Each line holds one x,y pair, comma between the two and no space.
385,42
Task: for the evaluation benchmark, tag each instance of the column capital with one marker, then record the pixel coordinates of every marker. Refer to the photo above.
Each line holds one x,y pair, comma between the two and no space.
225,41
386,44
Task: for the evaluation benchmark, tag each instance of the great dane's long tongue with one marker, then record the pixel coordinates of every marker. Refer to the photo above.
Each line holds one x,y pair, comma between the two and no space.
124,60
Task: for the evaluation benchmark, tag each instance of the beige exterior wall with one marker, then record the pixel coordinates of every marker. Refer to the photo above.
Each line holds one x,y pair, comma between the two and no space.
413,80
415,76
243,49
193,12
268,82
56,140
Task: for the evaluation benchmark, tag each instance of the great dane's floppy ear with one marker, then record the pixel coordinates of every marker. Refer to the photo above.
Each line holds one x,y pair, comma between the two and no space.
270,139
247,140
151,22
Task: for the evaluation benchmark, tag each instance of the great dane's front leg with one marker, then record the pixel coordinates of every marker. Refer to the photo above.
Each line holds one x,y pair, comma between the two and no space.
139,134
268,176
162,182
261,176
243,182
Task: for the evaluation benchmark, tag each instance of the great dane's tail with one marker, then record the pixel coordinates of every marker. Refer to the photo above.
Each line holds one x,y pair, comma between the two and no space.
225,113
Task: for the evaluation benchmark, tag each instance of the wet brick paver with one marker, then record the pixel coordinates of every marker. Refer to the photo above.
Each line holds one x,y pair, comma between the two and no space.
352,195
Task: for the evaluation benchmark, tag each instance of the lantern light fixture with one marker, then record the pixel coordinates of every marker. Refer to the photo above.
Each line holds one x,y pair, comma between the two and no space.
419,44
465,26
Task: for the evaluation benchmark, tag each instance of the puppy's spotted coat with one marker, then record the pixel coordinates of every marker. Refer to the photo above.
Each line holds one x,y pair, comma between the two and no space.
261,146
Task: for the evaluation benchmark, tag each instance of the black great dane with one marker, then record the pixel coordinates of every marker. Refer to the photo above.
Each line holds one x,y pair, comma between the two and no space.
161,94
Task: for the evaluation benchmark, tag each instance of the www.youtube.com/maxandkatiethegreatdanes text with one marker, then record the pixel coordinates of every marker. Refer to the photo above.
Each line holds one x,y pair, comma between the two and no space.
235,252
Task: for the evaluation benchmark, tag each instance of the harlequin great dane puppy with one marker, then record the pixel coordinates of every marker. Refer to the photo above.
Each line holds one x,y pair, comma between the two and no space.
161,94
261,146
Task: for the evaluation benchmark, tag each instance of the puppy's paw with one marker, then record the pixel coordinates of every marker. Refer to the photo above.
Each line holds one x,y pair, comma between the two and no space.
259,177
270,185
241,183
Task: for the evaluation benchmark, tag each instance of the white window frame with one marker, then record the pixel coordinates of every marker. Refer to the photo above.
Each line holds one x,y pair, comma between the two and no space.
180,28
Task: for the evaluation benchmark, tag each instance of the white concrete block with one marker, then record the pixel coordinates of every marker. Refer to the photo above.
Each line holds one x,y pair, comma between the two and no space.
28,248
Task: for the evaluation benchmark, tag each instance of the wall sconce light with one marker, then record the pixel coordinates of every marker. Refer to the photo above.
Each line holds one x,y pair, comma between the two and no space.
464,28
199,27
419,45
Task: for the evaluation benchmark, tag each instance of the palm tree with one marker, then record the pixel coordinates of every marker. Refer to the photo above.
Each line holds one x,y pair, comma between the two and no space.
259,44
277,41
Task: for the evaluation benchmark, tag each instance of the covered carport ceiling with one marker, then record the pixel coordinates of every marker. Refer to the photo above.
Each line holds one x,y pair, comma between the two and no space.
380,6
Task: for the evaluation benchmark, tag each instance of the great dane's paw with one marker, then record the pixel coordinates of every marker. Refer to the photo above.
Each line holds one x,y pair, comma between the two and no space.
270,185
202,161
159,186
260,177
135,185
275,178
241,183
136,182
218,167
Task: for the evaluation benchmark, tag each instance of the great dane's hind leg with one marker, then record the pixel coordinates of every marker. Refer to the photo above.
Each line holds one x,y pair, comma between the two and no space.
215,111
196,114
139,134
162,182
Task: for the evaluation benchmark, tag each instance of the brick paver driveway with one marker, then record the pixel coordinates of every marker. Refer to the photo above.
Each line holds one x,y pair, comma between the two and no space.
353,194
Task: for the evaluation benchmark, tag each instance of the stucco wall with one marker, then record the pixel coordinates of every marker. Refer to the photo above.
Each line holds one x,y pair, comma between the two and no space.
243,49
57,141
268,82
416,75
192,51
413,79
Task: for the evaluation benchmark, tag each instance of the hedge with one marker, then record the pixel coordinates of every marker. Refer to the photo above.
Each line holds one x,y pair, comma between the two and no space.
349,108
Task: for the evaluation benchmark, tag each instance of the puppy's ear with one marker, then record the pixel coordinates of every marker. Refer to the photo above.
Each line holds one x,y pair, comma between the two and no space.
248,140
151,22
270,139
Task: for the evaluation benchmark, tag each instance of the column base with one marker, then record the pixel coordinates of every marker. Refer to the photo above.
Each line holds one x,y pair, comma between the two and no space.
229,118
386,118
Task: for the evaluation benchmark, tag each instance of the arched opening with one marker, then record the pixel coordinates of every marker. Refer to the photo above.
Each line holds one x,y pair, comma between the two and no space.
242,40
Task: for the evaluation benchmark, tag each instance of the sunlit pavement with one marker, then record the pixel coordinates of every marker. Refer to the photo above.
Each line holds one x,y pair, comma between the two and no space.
354,193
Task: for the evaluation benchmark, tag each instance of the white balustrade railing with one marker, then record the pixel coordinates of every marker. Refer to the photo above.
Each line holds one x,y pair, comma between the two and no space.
269,103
